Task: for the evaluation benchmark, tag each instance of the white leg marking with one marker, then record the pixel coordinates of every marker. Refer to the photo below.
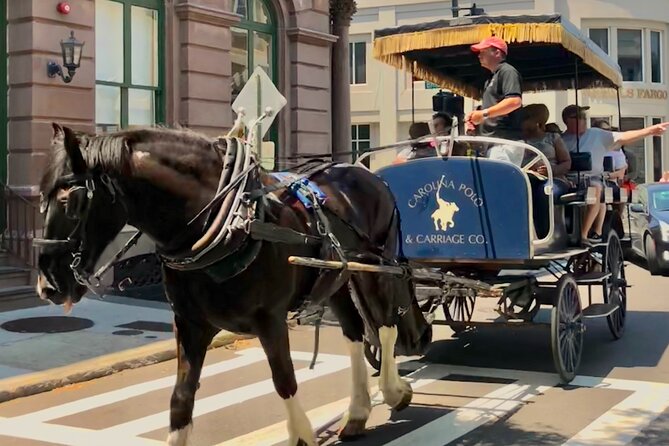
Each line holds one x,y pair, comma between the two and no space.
180,437
392,386
361,404
299,427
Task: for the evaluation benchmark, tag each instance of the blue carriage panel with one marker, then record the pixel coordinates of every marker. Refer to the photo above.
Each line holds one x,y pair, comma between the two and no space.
461,208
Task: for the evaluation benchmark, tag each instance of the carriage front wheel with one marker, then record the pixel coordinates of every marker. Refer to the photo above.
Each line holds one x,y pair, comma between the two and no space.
567,328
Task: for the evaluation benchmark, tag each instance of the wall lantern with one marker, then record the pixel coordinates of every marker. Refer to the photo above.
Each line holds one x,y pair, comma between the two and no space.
72,50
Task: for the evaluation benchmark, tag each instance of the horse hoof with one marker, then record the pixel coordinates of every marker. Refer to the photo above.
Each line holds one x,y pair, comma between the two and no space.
352,430
405,401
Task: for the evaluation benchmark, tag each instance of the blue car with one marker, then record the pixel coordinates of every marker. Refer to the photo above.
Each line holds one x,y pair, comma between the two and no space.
649,231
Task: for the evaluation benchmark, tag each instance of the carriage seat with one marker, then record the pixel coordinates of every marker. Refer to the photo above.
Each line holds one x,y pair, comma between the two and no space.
562,195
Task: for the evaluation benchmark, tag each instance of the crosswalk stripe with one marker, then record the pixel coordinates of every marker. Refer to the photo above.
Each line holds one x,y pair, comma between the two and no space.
323,416
246,357
463,420
619,425
332,364
68,435
623,422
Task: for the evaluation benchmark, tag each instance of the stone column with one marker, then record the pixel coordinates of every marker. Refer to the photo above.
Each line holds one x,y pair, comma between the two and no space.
204,68
341,12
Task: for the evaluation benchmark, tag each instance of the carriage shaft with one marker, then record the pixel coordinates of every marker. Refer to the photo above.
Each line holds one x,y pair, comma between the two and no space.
418,273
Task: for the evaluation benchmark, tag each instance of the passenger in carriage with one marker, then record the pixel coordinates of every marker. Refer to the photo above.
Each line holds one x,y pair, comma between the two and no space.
552,127
598,143
417,130
535,117
442,123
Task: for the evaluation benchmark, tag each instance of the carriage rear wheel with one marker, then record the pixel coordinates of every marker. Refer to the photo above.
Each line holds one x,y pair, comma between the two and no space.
567,328
615,287
459,308
373,355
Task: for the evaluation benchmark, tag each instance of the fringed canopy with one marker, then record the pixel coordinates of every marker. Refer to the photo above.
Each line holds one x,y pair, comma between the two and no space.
543,48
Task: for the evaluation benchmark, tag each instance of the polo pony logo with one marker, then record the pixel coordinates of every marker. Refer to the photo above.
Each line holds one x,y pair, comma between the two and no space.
443,216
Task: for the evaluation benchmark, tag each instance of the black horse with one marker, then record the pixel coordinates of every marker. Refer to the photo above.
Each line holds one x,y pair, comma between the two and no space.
159,180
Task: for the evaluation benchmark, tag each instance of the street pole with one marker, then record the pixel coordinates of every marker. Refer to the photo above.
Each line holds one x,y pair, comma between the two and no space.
454,7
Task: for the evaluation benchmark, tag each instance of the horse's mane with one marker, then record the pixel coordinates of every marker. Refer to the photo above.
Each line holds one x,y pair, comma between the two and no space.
112,152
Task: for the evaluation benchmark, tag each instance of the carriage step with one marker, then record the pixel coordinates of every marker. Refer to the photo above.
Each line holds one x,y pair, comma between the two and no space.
591,277
595,311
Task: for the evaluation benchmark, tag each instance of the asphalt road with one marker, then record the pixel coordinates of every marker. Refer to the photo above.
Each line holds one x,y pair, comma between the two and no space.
488,387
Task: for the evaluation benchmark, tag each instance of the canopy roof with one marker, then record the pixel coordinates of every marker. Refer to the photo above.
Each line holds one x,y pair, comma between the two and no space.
543,48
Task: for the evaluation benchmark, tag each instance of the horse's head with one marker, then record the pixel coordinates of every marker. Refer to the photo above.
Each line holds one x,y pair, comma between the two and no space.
82,215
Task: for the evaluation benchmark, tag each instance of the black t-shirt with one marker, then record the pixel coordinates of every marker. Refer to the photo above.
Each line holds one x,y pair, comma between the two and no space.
504,83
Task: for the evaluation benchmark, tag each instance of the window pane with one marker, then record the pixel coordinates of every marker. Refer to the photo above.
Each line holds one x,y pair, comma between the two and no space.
362,146
354,132
601,37
636,151
240,7
240,60
144,26
655,57
262,51
109,23
363,132
107,106
657,153
629,54
260,13
360,63
141,107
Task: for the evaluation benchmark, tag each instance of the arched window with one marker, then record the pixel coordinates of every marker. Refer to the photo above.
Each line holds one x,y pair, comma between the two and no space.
254,44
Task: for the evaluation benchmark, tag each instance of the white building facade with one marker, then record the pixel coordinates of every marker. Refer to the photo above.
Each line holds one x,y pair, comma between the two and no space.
635,34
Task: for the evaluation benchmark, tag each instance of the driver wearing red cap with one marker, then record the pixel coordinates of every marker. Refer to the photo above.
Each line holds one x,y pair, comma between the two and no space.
502,97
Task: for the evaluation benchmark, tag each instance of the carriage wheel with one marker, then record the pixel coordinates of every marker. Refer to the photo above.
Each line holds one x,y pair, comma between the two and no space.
373,355
615,287
459,308
567,328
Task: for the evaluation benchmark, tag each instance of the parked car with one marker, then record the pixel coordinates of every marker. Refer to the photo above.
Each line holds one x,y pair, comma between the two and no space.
649,231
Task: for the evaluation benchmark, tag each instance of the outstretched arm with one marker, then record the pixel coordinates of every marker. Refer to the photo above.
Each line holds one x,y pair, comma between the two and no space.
630,136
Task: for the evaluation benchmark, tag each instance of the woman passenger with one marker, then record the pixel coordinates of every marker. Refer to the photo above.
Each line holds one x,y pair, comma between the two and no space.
535,117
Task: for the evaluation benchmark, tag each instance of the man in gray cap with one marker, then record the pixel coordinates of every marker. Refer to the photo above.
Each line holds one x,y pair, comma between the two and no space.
598,143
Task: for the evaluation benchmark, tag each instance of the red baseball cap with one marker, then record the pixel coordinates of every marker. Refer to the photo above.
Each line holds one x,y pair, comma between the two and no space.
491,42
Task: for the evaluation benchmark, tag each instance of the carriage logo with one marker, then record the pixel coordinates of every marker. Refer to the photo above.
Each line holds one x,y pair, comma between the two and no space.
443,216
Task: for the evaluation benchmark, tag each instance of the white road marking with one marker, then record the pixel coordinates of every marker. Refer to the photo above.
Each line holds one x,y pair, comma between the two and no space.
618,426
624,421
245,358
68,435
465,419
332,364
323,416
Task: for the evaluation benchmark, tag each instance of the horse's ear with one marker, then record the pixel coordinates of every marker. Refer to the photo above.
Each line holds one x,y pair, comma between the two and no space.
74,152
57,130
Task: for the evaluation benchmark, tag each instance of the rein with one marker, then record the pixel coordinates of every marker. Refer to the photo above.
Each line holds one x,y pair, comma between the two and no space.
75,242
238,210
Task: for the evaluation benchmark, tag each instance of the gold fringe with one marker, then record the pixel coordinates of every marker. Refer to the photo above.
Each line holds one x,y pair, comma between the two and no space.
391,49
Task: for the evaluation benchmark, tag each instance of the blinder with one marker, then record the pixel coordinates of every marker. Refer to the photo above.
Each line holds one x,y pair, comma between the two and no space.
78,205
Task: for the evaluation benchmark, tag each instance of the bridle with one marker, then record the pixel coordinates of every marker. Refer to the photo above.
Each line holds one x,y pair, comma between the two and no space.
80,192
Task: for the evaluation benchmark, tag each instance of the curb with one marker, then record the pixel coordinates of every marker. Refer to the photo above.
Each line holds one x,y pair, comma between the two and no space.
46,380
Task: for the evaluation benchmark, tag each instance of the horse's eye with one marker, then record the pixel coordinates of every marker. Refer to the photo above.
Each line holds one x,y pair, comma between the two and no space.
75,202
